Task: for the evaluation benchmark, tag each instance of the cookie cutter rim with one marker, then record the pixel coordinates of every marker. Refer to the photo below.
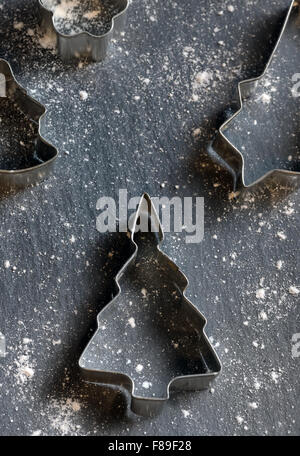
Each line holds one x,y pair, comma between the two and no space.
221,145
34,170
149,406
104,38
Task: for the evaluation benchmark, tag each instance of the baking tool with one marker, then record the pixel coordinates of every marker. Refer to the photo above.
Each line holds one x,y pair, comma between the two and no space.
82,44
266,126
150,337
40,160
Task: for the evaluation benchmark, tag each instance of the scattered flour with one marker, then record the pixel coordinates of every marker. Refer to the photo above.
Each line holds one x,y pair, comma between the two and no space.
294,291
18,25
62,413
263,315
25,370
281,235
265,98
261,293
131,321
83,95
144,292
24,364
202,79
239,419
275,376
47,40
74,16
257,385
253,405
186,413
63,9
56,342
279,265
196,132
92,14
27,341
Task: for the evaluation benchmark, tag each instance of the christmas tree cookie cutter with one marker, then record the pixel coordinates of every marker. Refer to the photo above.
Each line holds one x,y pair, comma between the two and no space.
150,338
82,44
232,158
44,154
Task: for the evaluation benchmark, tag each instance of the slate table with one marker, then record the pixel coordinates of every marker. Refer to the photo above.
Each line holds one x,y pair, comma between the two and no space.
144,127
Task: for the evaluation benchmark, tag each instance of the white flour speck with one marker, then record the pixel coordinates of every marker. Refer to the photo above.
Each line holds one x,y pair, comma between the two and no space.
253,405
131,321
261,293
257,384
24,369
83,95
281,235
202,79
263,315
18,25
239,419
265,98
294,291
275,376
26,341
144,292
56,342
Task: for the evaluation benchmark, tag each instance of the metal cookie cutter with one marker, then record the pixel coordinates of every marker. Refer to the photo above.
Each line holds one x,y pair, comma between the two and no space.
269,139
82,44
150,337
44,154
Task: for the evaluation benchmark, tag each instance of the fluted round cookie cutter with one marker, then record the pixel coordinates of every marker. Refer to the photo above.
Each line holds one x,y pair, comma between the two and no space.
45,152
83,44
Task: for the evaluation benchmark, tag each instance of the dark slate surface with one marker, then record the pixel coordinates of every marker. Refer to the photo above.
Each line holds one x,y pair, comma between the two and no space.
134,135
